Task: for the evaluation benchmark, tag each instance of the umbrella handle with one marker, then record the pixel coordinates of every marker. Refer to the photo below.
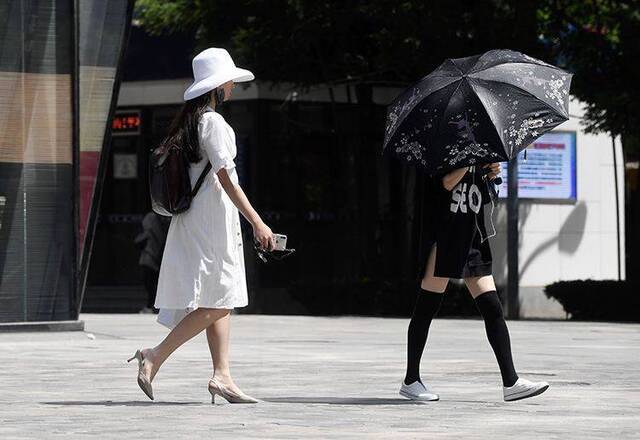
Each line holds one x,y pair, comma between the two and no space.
497,181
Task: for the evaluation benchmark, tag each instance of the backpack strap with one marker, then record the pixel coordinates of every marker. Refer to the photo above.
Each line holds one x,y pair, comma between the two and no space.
206,168
201,179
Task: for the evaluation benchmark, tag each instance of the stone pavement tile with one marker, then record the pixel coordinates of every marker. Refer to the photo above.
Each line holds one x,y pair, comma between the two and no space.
321,378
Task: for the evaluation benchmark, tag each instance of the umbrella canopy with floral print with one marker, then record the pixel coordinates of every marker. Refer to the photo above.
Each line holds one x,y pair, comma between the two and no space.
475,110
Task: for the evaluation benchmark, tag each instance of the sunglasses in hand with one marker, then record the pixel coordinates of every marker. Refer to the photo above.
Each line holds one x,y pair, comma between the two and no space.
266,255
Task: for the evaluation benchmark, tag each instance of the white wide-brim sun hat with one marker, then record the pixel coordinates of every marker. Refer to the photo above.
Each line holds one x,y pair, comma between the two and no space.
211,68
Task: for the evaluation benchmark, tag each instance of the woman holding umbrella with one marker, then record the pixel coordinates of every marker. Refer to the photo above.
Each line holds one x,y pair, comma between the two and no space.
457,247
457,124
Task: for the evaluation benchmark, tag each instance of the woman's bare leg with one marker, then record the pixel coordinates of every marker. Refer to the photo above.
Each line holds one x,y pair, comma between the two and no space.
430,282
191,325
479,285
218,339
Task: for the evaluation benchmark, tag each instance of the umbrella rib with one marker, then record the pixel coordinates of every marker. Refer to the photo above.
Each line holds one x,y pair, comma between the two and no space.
499,63
447,107
531,95
399,97
528,60
565,113
474,85
415,83
450,61
493,124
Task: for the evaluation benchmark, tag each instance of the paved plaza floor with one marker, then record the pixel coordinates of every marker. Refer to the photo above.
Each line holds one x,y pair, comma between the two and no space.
321,378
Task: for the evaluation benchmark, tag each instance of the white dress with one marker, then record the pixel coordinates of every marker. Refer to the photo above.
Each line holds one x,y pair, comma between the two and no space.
203,260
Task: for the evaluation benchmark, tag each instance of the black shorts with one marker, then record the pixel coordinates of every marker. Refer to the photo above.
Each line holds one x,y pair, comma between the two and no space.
474,262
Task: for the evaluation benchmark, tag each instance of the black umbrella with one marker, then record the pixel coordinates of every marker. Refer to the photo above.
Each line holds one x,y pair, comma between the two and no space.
475,110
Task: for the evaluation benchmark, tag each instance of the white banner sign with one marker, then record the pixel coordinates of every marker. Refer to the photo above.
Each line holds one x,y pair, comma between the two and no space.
549,171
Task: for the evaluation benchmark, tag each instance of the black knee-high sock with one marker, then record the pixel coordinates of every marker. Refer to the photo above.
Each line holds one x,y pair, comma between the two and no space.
491,310
427,305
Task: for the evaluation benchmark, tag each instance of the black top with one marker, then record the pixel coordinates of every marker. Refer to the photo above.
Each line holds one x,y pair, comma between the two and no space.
454,220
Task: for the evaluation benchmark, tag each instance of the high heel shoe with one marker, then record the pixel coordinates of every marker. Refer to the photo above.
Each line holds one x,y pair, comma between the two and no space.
216,388
143,382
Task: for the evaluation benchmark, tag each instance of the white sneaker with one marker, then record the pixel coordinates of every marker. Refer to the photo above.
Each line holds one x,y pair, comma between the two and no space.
417,391
524,388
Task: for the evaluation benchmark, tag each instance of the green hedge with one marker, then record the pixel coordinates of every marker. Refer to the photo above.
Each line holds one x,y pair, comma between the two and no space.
591,300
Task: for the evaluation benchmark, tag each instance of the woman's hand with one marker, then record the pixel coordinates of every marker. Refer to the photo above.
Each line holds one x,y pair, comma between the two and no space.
495,170
263,235
450,180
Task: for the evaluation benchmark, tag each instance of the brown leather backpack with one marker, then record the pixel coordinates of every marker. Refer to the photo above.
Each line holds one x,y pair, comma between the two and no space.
169,182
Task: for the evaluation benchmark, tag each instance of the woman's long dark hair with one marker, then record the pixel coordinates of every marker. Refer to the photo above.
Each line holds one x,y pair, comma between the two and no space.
183,132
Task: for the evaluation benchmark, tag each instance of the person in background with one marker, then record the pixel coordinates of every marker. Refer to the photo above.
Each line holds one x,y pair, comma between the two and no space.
152,240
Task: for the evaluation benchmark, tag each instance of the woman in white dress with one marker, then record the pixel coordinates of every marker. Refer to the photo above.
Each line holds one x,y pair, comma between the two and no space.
202,275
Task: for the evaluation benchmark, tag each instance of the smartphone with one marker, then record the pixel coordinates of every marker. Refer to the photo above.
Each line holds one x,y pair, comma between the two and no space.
280,242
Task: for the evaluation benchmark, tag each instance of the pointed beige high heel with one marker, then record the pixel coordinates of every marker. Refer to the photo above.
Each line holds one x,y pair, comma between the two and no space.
143,382
216,388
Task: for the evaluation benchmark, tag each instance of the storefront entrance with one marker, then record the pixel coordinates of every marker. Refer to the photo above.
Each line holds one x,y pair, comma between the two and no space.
115,280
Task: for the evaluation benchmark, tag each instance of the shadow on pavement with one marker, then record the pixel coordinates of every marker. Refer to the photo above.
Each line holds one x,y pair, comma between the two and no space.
119,403
302,400
344,401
